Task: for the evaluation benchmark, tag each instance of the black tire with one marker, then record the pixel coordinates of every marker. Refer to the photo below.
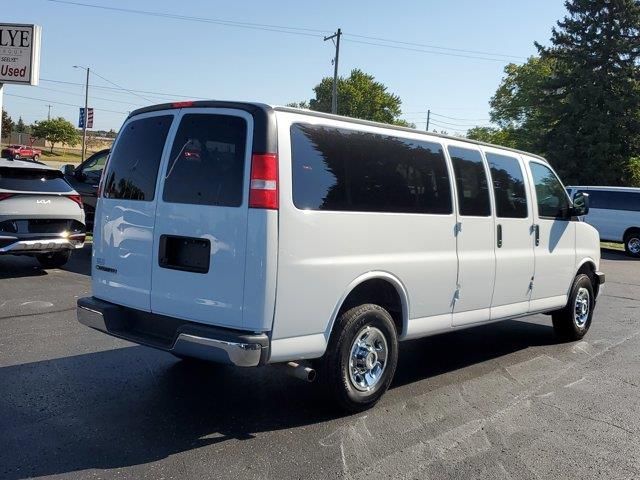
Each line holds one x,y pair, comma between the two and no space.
334,367
53,259
632,243
16,157
36,157
571,323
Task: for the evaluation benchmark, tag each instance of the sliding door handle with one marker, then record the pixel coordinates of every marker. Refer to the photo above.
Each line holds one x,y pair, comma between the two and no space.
499,236
536,231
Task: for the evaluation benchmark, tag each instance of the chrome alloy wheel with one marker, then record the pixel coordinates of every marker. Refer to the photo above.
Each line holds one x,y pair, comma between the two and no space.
581,307
368,358
634,245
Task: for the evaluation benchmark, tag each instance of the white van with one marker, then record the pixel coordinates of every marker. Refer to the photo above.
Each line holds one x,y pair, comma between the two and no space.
249,234
615,213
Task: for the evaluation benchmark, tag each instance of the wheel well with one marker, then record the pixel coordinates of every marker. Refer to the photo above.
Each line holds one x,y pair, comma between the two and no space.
379,292
589,269
628,231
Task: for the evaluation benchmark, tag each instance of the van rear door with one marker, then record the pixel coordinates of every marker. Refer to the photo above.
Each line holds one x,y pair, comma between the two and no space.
125,217
200,233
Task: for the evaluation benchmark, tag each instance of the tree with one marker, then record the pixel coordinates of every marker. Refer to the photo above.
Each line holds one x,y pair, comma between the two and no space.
359,96
507,137
20,126
592,97
7,124
517,106
57,130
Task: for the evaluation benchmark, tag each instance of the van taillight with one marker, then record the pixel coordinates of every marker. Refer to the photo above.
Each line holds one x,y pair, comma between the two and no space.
263,192
4,196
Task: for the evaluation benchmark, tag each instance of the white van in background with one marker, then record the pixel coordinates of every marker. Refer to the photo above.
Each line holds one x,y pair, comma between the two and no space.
252,235
615,213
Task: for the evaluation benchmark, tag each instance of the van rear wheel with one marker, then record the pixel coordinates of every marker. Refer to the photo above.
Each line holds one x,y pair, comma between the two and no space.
632,243
361,358
573,321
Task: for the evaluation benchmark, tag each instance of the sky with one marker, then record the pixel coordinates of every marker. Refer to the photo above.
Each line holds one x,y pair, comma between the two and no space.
134,53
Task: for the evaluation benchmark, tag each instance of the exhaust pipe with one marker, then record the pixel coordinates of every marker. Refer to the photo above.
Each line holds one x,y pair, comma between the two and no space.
300,371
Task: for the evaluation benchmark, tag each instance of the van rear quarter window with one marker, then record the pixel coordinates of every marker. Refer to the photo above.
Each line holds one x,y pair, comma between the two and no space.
348,170
508,186
612,200
133,165
207,161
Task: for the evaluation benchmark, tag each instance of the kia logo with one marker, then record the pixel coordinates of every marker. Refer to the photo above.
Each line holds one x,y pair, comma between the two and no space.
43,201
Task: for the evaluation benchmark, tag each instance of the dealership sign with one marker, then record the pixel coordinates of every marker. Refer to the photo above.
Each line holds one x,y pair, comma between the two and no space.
19,53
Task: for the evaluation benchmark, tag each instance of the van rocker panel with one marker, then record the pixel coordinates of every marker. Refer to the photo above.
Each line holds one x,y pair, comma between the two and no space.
173,335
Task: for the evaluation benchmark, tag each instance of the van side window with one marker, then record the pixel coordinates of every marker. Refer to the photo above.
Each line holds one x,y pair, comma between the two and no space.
550,194
508,186
134,163
471,180
206,166
349,170
613,200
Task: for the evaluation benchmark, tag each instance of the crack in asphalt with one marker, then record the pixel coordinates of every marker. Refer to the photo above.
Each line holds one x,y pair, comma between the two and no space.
34,314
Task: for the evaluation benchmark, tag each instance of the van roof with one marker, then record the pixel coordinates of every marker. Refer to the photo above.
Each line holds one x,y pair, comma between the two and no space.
268,110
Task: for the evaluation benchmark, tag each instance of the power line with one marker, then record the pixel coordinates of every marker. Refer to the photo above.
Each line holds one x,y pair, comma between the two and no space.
309,32
92,96
450,118
159,94
228,23
120,87
424,45
61,103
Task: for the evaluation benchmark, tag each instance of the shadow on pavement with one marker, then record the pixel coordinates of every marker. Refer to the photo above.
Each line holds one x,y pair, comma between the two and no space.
616,255
134,405
16,266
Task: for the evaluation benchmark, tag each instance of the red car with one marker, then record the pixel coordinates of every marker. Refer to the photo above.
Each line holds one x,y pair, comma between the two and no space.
21,151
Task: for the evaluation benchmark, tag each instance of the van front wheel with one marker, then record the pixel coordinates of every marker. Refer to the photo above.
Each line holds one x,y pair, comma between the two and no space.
573,321
361,358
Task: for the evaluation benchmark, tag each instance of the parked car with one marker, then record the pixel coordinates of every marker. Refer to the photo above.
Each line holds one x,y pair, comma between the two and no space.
286,236
40,214
615,213
17,152
85,178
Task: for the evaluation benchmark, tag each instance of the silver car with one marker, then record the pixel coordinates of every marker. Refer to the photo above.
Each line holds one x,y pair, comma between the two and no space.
40,214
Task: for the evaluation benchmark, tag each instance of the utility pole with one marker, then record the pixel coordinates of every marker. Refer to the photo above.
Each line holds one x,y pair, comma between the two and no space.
334,94
49,112
86,117
428,118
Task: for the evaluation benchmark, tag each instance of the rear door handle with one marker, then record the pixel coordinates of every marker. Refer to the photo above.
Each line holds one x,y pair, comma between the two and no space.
499,236
536,231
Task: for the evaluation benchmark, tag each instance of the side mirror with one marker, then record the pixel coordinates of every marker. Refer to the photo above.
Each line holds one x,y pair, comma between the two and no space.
580,204
69,170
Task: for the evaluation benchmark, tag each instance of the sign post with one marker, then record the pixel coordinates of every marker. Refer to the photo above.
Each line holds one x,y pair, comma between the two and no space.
19,55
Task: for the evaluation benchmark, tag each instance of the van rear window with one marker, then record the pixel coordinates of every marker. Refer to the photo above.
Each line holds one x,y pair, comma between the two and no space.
133,165
206,166
349,170
27,180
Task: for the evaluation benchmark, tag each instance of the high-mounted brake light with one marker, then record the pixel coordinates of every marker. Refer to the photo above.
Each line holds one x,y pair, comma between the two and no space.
187,103
263,192
77,199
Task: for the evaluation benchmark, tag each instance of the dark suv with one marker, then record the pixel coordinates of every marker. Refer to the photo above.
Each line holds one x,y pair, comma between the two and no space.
85,179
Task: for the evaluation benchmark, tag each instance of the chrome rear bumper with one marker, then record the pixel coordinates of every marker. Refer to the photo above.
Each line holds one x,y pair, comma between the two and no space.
176,336
41,244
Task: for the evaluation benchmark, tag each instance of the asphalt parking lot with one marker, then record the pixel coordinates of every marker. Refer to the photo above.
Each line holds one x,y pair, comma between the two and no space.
498,401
